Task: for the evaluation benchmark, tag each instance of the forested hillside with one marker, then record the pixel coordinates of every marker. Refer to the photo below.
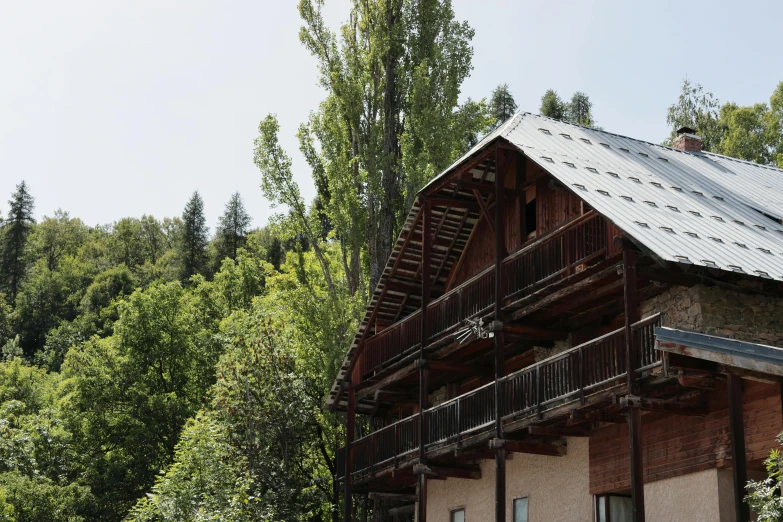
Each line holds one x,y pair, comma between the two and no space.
171,369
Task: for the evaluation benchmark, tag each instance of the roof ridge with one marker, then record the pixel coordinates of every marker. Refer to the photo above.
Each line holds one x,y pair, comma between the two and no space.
710,153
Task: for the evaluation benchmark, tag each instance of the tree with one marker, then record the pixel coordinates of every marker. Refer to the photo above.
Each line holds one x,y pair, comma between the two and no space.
502,104
233,228
579,111
57,237
15,231
699,110
193,241
553,106
391,119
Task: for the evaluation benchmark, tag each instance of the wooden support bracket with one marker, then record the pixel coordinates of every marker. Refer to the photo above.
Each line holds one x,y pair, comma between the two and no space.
668,406
471,472
557,431
535,448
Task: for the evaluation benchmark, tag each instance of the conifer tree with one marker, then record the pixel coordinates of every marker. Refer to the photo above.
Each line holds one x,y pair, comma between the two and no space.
193,242
553,106
15,232
232,229
502,104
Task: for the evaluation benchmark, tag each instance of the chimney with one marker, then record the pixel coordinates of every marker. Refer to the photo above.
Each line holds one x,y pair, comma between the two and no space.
687,140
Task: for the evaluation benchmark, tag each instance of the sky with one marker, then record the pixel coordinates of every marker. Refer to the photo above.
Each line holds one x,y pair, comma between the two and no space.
112,109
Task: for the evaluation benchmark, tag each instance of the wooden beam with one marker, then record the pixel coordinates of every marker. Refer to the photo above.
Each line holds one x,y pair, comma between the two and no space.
471,472
578,416
394,497
538,304
455,203
442,366
501,164
738,458
631,312
667,406
534,332
402,511
349,434
484,211
557,431
535,448
423,373
465,167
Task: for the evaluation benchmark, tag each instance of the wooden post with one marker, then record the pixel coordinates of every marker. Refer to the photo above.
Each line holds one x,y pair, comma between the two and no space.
738,459
426,274
500,240
631,361
350,429
521,177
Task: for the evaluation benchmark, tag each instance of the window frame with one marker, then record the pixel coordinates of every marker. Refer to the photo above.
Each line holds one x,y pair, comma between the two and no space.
527,506
605,497
457,510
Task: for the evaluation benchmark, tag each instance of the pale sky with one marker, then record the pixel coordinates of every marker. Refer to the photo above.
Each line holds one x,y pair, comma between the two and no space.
111,109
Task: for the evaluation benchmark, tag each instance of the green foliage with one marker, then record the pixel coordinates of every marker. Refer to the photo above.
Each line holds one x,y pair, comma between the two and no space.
699,110
764,496
753,133
39,467
207,480
391,119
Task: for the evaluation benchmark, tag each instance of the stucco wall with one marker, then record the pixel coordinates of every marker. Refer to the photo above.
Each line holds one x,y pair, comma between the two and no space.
557,488
748,317
706,496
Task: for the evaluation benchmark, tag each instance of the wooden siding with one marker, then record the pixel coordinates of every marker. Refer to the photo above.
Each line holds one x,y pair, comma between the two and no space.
554,206
675,445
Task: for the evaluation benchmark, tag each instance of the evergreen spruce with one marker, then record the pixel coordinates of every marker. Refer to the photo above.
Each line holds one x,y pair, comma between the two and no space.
232,229
193,243
502,104
15,231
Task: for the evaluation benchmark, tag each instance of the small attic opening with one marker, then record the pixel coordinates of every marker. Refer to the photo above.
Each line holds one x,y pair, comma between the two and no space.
531,212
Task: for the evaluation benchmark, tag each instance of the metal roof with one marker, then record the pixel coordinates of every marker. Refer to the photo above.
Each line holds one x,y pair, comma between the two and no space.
686,207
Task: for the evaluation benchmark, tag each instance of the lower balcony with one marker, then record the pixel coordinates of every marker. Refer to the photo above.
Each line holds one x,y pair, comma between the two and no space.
571,386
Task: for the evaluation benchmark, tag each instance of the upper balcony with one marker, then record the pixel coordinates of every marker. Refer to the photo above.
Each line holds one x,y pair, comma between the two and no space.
570,249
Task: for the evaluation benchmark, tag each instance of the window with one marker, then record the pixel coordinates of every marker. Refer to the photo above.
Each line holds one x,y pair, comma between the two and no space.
520,509
458,515
613,508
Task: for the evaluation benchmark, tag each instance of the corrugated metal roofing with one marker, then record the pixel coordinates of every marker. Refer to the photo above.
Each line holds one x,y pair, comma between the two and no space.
695,208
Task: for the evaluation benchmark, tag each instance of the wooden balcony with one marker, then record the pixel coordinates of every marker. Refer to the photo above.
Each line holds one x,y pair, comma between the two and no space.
546,261
580,377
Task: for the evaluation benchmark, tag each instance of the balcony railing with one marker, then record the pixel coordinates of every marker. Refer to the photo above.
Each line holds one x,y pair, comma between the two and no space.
573,374
543,262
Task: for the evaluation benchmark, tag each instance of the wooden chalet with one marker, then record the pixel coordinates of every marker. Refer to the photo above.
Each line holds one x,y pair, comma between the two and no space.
573,325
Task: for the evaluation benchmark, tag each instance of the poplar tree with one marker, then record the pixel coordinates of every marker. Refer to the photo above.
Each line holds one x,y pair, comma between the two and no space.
15,232
232,228
193,242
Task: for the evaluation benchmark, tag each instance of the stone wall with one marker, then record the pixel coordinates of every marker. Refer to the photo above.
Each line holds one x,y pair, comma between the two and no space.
748,317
